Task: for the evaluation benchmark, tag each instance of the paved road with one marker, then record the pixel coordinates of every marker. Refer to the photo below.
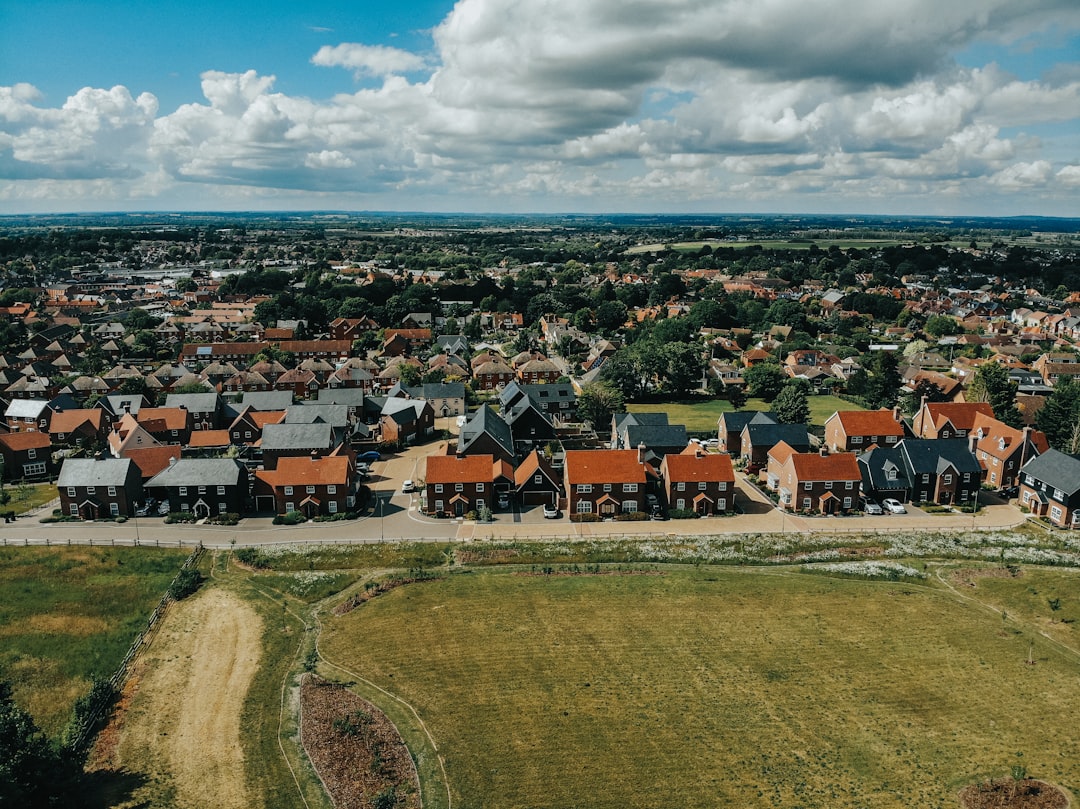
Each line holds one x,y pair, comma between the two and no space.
397,517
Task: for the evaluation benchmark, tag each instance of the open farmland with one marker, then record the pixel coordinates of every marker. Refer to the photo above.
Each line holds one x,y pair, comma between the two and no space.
68,614
719,687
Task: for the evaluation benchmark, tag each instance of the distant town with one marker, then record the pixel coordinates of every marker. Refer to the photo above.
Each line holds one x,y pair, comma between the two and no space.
211,368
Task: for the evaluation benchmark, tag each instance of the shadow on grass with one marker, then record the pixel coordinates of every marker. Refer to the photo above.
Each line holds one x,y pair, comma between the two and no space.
105,788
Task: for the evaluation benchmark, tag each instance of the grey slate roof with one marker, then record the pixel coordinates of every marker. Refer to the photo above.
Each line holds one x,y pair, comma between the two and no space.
194,402
486,421
933,456
735,421
91,472
264,400
624,419
353,397
335,414
659,436
1056,469
199,472
297,436
875,464
26,408
770,434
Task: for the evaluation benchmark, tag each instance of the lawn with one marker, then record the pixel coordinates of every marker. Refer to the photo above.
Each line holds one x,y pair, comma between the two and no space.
702,416
67,614
28,496
715,687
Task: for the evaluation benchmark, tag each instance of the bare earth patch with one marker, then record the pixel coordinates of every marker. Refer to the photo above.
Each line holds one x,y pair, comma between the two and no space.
971,575
179,723
355,748
1006,793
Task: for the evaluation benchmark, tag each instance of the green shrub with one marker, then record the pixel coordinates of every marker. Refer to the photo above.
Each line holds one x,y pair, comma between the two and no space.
683,514
187,581
252,558
589,517
631,516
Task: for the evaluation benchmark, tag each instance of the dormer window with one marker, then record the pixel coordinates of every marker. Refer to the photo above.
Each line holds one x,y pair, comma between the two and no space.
1001,443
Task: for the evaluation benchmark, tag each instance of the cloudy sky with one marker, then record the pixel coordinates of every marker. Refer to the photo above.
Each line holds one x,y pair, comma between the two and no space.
844,106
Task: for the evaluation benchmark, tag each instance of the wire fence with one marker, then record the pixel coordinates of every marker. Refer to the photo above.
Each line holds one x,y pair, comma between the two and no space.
102,700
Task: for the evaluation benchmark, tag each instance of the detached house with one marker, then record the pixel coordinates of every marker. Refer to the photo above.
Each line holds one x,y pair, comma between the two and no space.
94,489
941,471
458,484
1002,450
858,430
1050,487
604,482
729,428
27,456
758,438
699,482
810,481
314,486
202,486
536,482
948,419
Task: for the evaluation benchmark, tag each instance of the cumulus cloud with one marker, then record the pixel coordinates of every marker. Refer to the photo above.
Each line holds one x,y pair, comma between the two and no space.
660,102
375,60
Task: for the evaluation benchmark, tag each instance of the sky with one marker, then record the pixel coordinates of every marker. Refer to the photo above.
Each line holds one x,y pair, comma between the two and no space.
922,107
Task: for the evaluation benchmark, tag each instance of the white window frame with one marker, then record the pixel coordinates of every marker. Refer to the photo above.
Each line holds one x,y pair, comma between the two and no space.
629,488
182,491
112,491
584,488
288,491
331,488
629,506
584,506
221,490
289,507
438,490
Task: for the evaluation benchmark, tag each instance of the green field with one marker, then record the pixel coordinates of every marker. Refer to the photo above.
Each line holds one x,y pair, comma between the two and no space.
702,416
67,614
28,496
823,244
719,687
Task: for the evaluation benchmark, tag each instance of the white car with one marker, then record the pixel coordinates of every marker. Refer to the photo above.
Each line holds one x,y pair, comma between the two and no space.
408,486
871,507
550,512
893,506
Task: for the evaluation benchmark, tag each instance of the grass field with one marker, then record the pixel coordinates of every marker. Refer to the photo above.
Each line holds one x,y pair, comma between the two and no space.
28,496
724,687
702,416
823,244
67,614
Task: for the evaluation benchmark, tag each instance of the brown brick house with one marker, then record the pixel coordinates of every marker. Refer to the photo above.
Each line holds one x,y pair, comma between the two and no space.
458,484
699,482
604,481
948,419
314,486
27,456
1002,450
94,489
809,481
858,430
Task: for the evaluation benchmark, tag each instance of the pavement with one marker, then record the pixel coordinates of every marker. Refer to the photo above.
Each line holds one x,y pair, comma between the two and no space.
396,517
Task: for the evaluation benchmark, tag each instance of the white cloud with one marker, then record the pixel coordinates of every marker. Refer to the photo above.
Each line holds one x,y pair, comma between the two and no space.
375,60
328,159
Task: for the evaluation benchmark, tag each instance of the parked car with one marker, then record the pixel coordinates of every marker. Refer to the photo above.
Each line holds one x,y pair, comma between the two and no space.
369,456
144,509
651,502
163,508
504,500
408,486
872,507
551,512
1009,492
657,513
893,506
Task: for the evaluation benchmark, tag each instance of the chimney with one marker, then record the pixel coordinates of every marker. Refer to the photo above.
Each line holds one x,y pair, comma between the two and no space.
896,414
641,452
698,453
823,451
172,460
973,441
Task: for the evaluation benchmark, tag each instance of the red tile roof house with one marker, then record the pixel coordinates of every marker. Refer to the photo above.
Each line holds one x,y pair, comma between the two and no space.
699,482
948,419
27,456
458,484
314,486
604,481
1002,450
858,430
829,484
77,427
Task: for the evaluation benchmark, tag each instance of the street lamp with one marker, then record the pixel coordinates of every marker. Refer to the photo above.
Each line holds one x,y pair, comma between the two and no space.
382,532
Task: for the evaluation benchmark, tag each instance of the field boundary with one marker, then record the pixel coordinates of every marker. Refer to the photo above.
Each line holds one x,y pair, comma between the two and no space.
102,702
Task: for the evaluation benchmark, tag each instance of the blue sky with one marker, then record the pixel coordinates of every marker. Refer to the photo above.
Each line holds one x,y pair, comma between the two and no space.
970,107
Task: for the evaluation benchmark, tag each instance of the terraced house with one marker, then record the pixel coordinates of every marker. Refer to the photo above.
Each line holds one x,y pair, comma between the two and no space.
1050,487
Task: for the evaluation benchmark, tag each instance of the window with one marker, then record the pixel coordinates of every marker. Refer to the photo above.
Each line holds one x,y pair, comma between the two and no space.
680,486
629,505
1055,513
439,505
629,487
74,510
182,491
1059,495
331,489
807,503
680,504
459,487
185,507
222,508
332,506
310,489
112,491
946,479
290,507
584,507
828,484
925,478
438,489
721,486
856,439
221,490
607,487
247,433
702,485
202,490
808,485
890,474
538,480
479,487
288,490
849,485
71,491
1027,496
174,433
91,489
32,469
847,502
584,488
890,439
31,453
721,504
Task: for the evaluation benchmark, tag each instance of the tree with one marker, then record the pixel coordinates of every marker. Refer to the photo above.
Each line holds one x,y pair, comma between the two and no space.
791,405
992,384
765,380
885,380
610,316
683,364
409,374
186,285
1061,411
598,402
735,395
941,325
33,772
924,390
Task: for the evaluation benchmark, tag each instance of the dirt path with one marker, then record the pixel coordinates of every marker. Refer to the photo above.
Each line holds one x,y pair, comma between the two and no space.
182,731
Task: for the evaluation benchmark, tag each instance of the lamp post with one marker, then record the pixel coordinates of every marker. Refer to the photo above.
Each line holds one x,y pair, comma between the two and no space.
382,511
